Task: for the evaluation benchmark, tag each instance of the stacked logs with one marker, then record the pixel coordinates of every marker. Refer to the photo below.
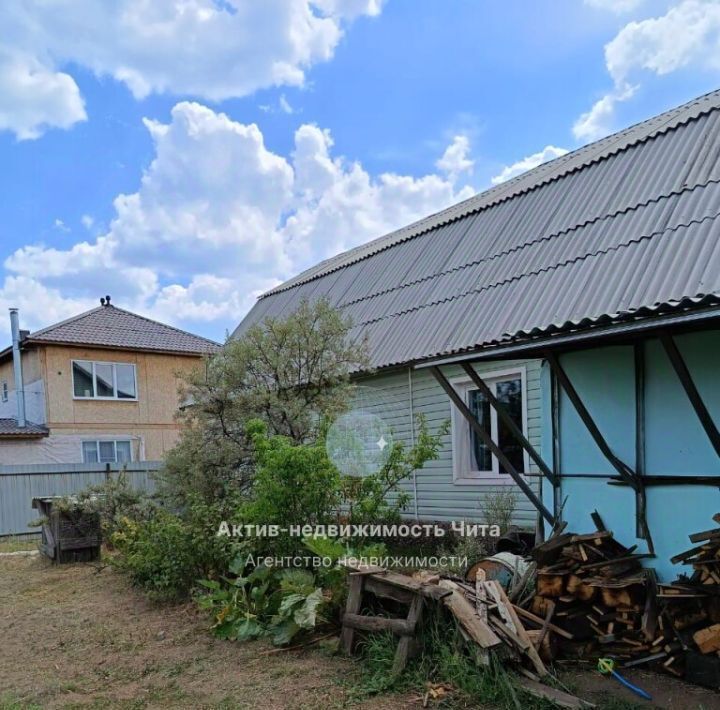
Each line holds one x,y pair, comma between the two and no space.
690,612
596,590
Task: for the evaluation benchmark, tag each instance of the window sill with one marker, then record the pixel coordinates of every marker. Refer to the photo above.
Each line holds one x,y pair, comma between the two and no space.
105,399
485,481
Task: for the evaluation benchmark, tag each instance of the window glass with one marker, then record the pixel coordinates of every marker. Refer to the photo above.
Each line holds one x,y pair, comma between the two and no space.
89,450
125,375
509,394
104,380
82,379
480,407
123,451
107,451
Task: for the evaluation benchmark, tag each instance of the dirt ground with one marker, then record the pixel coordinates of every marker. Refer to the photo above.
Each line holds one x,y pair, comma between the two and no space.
74,637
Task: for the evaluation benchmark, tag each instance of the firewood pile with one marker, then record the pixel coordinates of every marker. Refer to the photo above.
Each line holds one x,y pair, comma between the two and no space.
688,638
595,590
488,621
592,598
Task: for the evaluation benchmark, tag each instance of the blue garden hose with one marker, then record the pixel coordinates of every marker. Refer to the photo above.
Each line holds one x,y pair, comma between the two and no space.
607,665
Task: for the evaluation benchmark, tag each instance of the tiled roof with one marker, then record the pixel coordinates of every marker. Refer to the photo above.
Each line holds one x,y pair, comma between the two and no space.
112,327
625,225
9,429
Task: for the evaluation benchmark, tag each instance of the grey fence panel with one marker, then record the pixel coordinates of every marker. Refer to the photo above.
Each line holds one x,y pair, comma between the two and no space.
20,484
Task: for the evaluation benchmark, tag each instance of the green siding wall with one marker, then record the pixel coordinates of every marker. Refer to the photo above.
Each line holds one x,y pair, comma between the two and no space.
438,497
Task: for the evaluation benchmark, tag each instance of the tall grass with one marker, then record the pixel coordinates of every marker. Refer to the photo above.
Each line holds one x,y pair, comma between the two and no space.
444,660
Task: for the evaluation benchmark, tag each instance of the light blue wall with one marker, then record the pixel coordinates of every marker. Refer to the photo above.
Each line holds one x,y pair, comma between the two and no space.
675,443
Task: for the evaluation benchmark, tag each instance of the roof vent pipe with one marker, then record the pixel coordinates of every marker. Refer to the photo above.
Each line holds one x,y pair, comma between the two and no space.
17,367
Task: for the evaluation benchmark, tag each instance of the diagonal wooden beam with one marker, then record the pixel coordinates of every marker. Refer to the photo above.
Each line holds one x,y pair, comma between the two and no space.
625,472
509,423
457,400
691,390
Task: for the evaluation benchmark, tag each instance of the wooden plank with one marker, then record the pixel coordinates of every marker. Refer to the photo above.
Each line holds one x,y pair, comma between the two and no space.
546,624
502,600
406,643
400,627
352,606
681,557
376,586
462,610
705,535
539,621
559,697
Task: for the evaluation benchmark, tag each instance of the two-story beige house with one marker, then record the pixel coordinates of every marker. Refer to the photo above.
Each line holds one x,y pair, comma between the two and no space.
101,387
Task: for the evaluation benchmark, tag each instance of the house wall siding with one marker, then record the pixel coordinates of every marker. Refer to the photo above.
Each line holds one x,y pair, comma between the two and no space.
438,496
675,443
149,421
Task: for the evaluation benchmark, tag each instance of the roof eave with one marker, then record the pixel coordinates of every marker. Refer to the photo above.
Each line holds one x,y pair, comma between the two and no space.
31,342
534,347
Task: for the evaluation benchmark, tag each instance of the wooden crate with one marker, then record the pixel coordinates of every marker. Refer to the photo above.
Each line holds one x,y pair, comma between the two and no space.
68,536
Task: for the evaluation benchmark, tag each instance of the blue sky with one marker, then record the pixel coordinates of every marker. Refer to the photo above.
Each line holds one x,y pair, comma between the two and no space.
186,161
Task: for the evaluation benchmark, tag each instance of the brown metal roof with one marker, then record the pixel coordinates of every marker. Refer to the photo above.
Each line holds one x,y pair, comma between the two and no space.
112,327
626,225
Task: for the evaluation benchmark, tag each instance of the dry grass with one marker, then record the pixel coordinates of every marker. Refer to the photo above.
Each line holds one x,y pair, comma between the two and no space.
18,543
76,637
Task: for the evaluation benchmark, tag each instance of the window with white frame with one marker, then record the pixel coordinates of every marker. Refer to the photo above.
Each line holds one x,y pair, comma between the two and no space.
104,380
107,451
4,391
473,462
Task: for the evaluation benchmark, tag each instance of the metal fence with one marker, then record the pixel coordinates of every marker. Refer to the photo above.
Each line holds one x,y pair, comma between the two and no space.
20,484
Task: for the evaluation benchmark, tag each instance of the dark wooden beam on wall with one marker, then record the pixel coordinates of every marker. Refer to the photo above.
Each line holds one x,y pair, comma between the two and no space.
459,403
691,390
509,423
556,444
640,493
622,468
626,473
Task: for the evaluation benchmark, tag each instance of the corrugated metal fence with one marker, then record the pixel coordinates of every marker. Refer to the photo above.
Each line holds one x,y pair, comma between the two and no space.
20,484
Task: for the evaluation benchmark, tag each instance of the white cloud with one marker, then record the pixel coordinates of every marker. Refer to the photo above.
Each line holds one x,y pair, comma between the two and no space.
549,152
34,97
455,161
597,122
218,218
60,225
204,48
87,221
617,6
284,104
687,35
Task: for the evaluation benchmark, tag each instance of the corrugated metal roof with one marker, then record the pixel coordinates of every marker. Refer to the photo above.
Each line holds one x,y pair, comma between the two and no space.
628,223
112,327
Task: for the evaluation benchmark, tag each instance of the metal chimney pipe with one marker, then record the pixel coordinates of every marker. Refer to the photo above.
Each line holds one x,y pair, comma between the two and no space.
17,367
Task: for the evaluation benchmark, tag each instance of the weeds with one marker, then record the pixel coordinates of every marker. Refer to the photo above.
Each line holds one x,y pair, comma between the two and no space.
498,508
444,662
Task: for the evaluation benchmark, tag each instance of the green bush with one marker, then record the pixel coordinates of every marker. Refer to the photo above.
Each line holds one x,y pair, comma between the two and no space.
263,602
295,484
166,555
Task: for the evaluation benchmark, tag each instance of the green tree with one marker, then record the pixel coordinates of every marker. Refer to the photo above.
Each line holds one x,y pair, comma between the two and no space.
293,373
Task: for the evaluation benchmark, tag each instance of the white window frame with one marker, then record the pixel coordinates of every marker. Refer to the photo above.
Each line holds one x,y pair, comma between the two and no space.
463,474
113,441
4,391
114,371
